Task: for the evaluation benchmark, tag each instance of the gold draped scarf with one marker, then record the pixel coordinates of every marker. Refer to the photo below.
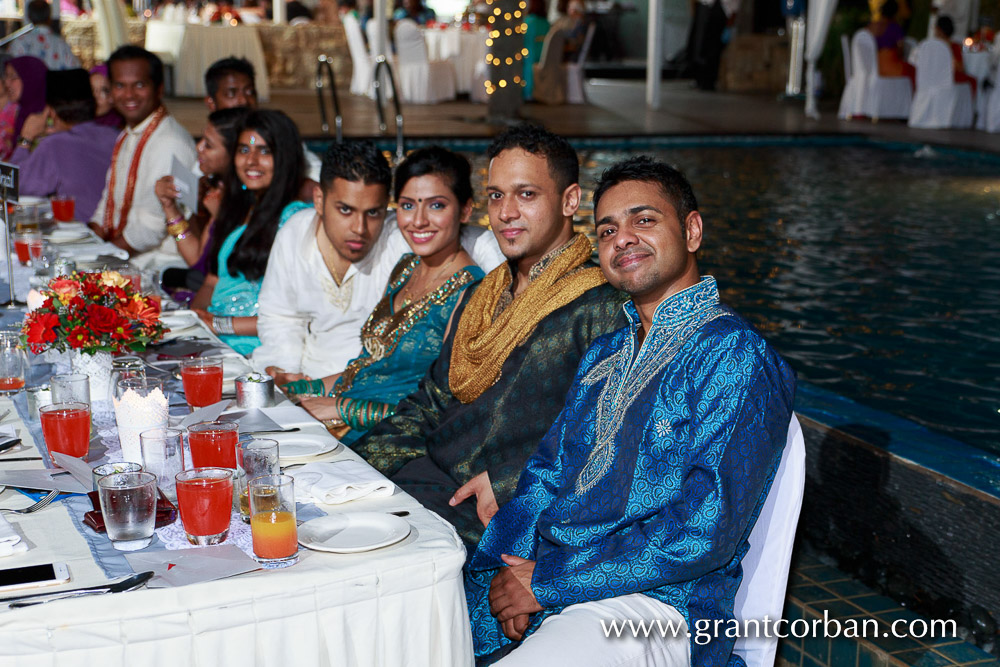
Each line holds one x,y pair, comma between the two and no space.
483,344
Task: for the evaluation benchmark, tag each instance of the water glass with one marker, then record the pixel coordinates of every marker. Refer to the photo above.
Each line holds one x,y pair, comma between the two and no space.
66,428
163,455
255,458
202,380
128,366
128,503
205,501
213,444
13,363
74,387
106,469
142,406
272,520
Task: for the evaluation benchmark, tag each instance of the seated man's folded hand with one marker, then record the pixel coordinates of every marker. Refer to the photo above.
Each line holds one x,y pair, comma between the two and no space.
511,597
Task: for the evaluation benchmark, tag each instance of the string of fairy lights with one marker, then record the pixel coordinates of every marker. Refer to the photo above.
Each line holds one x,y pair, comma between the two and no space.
504,24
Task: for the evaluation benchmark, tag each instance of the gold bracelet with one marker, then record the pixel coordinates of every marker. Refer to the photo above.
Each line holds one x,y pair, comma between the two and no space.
177,228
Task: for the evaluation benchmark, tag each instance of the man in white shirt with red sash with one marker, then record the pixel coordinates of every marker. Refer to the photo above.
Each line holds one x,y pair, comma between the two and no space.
129,213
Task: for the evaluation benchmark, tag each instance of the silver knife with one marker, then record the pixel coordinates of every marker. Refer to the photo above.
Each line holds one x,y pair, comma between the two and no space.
127,584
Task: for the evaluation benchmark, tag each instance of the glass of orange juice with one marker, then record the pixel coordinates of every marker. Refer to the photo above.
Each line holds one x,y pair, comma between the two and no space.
272,520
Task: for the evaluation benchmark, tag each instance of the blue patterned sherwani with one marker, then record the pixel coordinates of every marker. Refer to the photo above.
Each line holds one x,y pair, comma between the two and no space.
653,474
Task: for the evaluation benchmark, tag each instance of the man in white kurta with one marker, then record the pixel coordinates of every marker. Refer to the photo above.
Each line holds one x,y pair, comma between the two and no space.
308,322
151,140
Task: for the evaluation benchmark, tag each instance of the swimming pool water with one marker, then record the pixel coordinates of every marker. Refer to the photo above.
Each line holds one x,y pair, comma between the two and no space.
875,271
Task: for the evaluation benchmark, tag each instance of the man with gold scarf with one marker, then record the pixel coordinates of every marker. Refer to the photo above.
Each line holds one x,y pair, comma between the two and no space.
514,344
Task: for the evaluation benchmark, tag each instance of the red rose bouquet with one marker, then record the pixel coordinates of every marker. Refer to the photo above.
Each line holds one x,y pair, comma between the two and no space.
93,312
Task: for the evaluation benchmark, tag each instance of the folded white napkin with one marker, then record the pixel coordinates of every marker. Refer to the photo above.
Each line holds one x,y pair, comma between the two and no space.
334,482
10,541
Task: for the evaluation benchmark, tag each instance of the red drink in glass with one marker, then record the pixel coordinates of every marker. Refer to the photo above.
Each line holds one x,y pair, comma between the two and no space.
66,428
23,254
11,385
205,501
202,384
213,444
63,208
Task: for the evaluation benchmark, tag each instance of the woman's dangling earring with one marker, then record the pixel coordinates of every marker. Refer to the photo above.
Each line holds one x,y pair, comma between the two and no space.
243,186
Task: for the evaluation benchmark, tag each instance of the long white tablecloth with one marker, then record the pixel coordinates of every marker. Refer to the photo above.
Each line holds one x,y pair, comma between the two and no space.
400,605
464,48
194,47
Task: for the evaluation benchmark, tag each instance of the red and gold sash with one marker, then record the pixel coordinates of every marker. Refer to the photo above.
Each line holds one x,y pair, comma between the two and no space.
112,231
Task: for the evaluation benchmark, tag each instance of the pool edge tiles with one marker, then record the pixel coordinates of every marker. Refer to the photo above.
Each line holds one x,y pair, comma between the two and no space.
904,439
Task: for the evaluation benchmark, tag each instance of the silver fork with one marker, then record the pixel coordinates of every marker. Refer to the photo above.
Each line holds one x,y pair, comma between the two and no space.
41,504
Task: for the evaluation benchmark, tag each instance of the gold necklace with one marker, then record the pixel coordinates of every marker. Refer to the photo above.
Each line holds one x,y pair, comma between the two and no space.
431,283
325,252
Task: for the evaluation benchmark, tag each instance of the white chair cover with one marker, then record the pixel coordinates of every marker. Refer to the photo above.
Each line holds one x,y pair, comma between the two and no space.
550,76
869,94
845,49
940,102
765,566
420,80
361,78
988,107
574,71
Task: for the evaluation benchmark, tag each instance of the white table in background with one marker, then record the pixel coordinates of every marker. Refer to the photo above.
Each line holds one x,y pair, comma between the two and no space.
193,47
464,48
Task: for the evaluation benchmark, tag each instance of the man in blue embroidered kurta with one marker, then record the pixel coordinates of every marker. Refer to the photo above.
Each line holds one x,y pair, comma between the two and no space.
649,482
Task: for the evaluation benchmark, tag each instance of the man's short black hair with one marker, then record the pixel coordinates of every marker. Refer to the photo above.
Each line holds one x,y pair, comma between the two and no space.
646,169
223,68
946,26
69,94
564,166
131,52
38,12
355,161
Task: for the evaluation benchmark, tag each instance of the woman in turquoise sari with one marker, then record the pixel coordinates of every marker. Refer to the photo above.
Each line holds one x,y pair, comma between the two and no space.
403,335
259,196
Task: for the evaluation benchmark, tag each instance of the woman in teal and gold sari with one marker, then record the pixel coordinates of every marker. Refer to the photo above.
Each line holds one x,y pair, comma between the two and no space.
403,335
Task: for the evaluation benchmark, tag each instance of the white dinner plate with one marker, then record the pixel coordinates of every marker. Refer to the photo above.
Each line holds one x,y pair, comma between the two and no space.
31,200
353,532
59,236
302,445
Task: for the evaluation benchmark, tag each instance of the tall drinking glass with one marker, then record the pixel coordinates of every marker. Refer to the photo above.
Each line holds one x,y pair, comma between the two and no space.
63,207
128,503
70,387
255,458
202,379
213,444
66,428
163,455
27,244
205,501
272,520
13,363
127,366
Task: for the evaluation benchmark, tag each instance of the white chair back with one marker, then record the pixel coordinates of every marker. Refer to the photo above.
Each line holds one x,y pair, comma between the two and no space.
410,45
355,39
864,55
934,65
581,57
845,49
765,565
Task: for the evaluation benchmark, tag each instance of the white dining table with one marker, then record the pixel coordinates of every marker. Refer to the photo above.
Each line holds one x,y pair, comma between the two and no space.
464,48
190,48
977,64
402,604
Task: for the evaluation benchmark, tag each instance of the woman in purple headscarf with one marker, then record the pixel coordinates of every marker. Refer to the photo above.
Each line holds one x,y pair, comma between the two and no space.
101,85
24,80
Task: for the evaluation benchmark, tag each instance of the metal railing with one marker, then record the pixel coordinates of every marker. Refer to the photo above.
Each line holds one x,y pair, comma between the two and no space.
380,64
323,66
14,35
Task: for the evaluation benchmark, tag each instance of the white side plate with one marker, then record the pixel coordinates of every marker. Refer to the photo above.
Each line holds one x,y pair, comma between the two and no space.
353,533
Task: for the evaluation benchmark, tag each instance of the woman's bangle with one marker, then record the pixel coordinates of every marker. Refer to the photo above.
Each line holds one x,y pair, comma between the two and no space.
223,326
177,228
183,235
174,221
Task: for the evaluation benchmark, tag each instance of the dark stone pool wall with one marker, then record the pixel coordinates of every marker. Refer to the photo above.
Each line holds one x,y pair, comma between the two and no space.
919,536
